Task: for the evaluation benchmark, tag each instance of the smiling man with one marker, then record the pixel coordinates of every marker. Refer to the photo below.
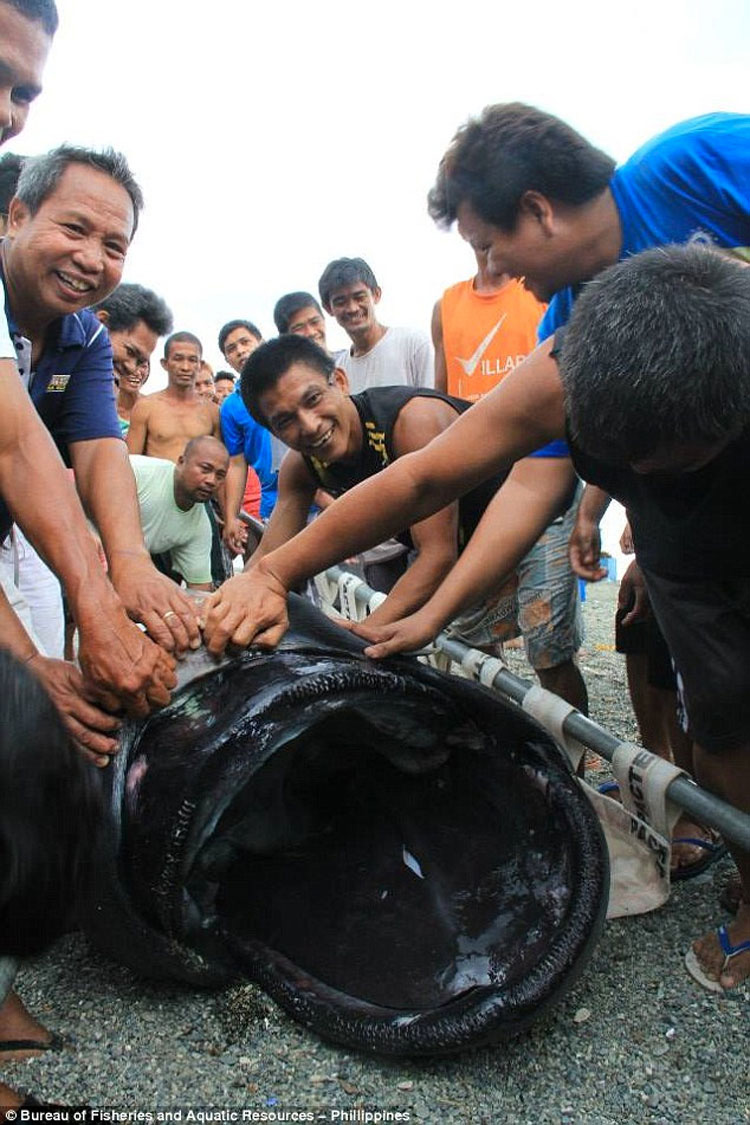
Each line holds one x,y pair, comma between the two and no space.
135,318
69,229
26,31
379,356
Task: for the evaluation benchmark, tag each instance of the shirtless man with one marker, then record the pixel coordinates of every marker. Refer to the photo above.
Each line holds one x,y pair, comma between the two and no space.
162,424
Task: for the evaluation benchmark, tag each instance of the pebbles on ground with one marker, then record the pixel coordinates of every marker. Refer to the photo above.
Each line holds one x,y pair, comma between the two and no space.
636,1040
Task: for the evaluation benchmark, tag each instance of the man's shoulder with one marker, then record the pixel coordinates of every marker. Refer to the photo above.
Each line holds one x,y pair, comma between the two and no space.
150,468
403,337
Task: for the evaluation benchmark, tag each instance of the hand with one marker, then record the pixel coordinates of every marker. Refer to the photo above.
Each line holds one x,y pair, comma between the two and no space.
584,550
633,593
121,667
234,535
155,600
248,609
90,727
407,635
626,540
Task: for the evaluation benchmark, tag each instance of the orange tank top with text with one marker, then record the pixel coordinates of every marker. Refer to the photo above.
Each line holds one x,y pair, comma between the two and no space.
486,335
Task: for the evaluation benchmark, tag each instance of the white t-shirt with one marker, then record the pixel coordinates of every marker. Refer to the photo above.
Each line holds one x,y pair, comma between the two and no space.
186,535
403,356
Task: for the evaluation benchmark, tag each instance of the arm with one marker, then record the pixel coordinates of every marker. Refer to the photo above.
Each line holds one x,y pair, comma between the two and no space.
423,363
107,487
41,496
435,538
535,492
522,414
585,543
215,423
296,491
234,489
137,436
441,368
90,728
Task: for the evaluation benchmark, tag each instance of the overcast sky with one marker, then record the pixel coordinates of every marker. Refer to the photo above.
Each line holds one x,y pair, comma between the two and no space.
272,137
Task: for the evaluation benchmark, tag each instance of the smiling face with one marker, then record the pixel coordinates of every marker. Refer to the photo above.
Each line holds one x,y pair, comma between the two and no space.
313,416
24,45
71,253
353,307
309,322
131,354
537,249
223,389
238,346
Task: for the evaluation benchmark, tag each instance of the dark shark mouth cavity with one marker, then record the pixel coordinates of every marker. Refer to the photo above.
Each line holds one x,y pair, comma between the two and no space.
402,861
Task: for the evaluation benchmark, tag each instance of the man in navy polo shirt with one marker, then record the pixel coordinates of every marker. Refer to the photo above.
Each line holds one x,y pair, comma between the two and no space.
69,228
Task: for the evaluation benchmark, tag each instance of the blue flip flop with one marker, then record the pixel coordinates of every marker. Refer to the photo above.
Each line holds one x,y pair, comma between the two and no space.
712,850
609,787
696,970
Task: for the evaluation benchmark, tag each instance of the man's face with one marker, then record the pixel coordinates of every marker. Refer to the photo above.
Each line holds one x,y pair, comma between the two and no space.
131,353
71,253
238,346
204,384
531,251
311,415
309,322
182,363
24,46
353,307
223,389
684,457
202,472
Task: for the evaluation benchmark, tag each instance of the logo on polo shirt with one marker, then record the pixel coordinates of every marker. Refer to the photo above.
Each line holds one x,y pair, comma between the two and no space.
58,383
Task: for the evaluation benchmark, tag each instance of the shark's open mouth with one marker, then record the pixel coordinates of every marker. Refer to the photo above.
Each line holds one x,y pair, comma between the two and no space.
401,860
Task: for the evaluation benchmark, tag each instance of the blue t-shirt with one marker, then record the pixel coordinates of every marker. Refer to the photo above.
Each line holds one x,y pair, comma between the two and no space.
242,434
689,184
71,385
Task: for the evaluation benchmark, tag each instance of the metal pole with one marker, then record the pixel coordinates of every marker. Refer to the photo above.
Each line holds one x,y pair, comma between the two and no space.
704,806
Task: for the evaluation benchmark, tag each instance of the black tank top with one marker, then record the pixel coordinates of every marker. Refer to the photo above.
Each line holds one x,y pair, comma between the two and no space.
378,410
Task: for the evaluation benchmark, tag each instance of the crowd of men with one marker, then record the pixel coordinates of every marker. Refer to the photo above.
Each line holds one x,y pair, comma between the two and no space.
602,340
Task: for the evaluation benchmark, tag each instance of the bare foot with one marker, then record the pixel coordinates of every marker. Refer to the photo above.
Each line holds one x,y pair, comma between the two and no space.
17,1023
9,1099
729,972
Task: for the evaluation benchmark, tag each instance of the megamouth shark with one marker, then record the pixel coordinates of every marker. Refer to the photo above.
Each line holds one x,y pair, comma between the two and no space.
402,860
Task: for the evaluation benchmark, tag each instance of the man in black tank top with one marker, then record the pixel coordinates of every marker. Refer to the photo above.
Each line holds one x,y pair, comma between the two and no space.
651,386
338,440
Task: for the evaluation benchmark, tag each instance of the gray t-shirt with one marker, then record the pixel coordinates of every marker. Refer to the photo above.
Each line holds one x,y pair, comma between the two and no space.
401,356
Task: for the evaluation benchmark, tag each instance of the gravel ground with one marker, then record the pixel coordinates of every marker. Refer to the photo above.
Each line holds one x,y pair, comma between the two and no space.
635,1041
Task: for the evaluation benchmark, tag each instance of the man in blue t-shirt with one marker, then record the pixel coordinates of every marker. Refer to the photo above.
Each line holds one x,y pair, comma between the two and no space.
249,443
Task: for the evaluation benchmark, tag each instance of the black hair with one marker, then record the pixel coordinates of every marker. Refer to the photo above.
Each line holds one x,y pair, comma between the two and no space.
511,149
130,303
655,354
10,169
224,376
344,271
291,303
232,326
50,815
41,174
181,338
268,363
39,11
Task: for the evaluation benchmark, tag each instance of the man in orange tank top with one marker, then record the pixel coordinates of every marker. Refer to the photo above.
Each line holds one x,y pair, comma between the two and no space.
482,328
